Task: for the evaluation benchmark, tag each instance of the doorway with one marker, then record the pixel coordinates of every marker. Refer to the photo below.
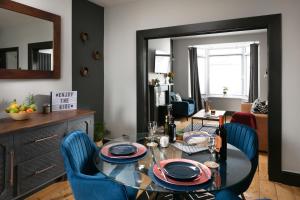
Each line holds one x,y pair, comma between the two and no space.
273,25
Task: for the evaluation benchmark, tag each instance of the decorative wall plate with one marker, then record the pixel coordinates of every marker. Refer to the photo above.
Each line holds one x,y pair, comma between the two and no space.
84,71
96,55
84,36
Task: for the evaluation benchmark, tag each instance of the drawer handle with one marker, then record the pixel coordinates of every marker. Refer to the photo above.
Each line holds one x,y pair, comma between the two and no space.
44,170
12,157
46,138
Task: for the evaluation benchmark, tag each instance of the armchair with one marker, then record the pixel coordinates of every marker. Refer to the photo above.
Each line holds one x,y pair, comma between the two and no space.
185,108
262,126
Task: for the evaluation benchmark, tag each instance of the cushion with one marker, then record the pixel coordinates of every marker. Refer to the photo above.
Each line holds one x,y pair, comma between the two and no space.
259,106
178,97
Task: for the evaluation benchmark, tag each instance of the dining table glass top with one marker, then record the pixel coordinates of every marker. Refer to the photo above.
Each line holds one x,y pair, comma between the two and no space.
136,175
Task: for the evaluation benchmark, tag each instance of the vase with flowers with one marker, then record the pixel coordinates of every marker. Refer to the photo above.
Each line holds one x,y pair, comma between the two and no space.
171,76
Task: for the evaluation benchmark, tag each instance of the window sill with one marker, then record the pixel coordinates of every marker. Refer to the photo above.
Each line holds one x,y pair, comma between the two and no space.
226,97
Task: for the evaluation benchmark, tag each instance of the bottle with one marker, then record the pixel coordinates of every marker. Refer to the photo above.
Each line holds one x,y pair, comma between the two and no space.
172,131
166,126
223,134
218,144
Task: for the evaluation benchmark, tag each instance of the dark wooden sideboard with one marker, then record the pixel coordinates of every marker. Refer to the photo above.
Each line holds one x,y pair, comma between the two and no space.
30,150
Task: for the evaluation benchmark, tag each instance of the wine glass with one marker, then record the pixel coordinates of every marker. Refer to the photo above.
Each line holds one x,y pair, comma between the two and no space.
212,146
152,128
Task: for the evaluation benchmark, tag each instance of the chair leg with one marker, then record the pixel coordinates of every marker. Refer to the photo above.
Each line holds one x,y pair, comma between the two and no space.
243,197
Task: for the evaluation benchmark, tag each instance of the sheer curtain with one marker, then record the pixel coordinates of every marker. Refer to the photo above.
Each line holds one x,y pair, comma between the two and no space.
253,86
194,77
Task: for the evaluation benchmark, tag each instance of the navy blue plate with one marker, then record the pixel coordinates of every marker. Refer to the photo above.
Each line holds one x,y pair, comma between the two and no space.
181,171
122,149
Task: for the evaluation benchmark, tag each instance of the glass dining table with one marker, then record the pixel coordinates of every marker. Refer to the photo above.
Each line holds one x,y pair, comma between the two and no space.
136,175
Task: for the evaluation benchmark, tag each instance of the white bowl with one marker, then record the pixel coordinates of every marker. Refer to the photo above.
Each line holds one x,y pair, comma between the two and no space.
19,116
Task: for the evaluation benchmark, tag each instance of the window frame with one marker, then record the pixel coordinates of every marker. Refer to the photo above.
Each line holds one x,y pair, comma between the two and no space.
244,91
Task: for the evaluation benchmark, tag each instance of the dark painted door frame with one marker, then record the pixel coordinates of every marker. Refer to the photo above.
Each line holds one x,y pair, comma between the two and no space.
270,22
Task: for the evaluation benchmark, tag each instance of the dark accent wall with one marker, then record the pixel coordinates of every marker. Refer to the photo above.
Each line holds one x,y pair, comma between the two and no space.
88,17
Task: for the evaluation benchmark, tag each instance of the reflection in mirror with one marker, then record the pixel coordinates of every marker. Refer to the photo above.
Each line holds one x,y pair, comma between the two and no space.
159,59
26,42
162,62
9,58
40,56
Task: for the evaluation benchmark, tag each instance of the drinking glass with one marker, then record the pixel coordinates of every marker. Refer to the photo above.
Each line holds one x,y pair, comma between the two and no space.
212,147
152,128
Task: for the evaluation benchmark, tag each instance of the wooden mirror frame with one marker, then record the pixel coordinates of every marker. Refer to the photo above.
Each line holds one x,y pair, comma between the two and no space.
35,74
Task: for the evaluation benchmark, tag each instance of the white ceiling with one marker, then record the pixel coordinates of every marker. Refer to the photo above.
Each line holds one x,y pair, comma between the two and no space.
108,3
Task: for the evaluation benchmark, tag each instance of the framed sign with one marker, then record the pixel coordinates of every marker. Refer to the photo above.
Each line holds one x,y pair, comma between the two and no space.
63,100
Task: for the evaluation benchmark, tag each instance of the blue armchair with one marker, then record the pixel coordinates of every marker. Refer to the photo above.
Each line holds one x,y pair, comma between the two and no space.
86,181
184,108
244,138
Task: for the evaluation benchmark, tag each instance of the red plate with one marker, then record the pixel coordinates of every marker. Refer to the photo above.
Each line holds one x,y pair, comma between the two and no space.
202,178
141,149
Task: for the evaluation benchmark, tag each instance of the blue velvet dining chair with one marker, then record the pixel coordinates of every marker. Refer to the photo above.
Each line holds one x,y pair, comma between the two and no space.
86,181
245,139
226,195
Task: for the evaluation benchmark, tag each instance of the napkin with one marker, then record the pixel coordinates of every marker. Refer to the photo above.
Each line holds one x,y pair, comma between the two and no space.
199,138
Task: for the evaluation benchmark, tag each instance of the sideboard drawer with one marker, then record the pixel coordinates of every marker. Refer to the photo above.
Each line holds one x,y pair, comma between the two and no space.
36,142
33,173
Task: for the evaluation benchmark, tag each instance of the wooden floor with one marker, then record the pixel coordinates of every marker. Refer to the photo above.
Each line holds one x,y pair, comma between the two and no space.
261,187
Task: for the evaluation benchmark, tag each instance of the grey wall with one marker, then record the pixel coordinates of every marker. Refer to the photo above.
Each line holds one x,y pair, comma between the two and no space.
180,49
88,17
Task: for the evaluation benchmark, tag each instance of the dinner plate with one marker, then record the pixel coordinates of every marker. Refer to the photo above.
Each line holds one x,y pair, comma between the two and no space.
181,171
204,176
122,149
141,150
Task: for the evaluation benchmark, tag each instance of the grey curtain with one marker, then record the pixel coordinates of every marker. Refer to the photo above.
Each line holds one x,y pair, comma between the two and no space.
195,87
253,86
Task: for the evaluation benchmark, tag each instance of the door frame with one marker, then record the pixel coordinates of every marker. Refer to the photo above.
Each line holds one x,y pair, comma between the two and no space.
274,31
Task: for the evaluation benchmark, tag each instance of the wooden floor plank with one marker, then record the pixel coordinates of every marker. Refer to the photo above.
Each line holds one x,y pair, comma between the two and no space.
267,190
284,192
296,191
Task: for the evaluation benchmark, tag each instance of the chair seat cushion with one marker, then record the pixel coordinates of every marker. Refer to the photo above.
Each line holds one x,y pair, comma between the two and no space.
99,174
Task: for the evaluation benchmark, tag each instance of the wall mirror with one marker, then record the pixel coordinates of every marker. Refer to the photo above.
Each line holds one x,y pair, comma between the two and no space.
29,42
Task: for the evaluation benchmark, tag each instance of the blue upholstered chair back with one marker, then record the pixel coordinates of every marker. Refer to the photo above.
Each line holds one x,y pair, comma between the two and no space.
244,138
86,181
79,151
226,195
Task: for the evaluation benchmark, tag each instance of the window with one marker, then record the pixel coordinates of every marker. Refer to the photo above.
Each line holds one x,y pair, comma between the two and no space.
224,65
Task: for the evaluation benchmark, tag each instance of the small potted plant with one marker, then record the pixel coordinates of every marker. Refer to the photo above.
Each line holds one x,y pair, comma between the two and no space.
225,90
99,133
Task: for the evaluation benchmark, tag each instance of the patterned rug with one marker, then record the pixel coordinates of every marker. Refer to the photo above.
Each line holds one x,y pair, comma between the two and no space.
199,127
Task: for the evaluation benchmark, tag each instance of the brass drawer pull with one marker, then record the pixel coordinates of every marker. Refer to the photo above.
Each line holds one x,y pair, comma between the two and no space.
12,157
44,170
46,138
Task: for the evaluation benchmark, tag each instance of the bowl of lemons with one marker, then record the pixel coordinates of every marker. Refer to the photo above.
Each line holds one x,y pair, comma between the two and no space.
20,111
